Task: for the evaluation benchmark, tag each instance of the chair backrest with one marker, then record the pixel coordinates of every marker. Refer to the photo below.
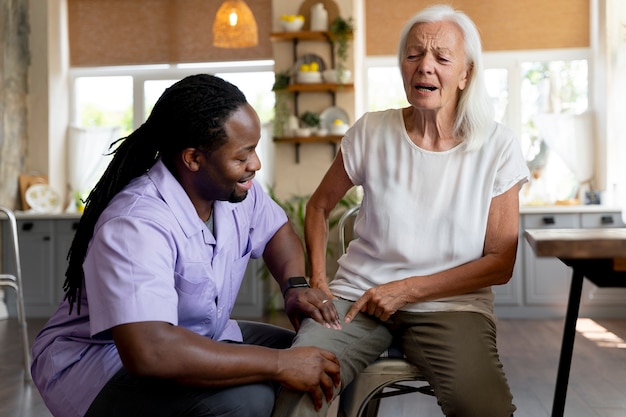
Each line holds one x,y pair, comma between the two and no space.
342,224
14,241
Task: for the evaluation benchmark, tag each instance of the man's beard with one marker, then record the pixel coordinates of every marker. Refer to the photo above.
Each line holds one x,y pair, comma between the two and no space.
236,198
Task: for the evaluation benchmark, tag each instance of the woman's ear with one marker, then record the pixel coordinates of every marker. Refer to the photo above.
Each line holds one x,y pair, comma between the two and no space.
191,158
466,76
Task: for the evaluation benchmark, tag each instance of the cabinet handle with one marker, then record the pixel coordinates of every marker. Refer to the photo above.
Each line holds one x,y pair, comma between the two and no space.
548,220
46,238
27,226
606,220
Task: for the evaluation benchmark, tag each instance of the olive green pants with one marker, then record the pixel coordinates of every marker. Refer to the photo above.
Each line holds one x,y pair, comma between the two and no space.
456,352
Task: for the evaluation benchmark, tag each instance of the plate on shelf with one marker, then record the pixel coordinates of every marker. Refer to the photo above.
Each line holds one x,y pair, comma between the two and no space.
329,115
308,59
43,199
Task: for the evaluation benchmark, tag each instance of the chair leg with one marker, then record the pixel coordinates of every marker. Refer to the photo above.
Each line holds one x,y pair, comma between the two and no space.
21,316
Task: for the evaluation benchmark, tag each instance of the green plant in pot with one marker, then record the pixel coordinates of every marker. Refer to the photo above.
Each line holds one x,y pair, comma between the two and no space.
295,208
341,31
310,120
281,106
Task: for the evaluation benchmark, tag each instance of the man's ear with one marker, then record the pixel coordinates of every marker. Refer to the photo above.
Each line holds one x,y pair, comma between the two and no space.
191,158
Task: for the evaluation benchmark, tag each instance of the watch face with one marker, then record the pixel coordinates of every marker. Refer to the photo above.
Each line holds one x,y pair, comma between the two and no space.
298,281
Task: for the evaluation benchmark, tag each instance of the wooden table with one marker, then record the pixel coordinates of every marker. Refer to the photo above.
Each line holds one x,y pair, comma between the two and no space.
596,254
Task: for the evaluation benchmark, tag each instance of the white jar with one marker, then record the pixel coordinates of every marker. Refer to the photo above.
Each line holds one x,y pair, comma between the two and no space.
319,17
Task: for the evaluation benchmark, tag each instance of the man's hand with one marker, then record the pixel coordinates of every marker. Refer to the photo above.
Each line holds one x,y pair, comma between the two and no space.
310,369
382,301
310,302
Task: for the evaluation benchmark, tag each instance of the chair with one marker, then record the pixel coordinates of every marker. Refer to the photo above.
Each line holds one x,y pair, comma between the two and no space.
15,282
384,377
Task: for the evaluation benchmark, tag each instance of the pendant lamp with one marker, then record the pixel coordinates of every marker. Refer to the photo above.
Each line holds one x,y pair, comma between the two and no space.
235,26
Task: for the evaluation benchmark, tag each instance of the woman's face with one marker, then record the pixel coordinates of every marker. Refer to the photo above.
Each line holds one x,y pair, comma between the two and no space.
434,68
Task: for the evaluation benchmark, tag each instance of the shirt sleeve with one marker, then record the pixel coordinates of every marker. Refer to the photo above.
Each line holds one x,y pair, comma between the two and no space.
129,265
512,168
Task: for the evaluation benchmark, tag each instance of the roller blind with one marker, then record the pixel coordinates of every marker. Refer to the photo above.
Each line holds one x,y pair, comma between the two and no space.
505,25
138,32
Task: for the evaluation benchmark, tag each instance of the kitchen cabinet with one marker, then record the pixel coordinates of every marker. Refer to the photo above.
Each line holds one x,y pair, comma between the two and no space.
299,91
540,286
41,242
44,242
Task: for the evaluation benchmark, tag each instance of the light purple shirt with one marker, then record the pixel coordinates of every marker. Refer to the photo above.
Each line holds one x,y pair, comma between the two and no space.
151,259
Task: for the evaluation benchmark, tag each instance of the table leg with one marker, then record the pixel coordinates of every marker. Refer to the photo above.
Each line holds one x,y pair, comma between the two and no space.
567,346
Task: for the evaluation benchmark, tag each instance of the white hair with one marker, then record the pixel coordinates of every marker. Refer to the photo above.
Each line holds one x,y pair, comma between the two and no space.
475,112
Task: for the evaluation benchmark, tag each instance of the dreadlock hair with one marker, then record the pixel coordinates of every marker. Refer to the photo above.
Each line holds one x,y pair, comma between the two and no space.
189,114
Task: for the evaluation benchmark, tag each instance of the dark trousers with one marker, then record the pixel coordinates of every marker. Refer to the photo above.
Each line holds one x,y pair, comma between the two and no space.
130,396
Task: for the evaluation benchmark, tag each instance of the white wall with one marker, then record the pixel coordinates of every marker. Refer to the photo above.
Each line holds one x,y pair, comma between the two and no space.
48,91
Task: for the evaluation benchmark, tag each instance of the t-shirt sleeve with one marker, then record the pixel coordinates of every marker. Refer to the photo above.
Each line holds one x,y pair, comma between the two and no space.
353,150
512,168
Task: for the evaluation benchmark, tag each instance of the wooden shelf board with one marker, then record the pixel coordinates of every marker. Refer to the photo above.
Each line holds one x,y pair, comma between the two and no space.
309,139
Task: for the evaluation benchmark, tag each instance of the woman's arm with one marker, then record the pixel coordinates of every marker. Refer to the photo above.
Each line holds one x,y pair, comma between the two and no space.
495,267
333,187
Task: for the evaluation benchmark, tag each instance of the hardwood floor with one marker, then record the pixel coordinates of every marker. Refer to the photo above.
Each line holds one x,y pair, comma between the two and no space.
529,350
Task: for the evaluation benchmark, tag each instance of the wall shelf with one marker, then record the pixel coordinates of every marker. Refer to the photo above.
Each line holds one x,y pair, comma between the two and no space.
333,140
298,88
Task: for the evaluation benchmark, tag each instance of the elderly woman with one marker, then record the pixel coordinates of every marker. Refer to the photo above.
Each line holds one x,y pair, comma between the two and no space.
438,226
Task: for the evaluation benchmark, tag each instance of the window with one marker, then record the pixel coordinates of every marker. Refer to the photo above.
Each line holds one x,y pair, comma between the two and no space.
524,86
121,98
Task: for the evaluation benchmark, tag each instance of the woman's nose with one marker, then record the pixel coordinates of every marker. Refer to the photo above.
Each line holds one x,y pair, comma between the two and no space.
426,64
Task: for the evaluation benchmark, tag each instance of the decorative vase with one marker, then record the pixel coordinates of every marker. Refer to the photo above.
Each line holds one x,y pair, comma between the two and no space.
319,17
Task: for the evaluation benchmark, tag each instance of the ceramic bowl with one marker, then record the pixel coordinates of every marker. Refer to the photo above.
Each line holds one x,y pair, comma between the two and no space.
292,25
302,132
330,76
308,77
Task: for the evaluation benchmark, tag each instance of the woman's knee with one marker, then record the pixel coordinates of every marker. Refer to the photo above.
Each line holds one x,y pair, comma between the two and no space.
476,397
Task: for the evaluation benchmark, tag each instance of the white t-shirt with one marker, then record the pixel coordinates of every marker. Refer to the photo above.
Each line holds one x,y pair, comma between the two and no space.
422,211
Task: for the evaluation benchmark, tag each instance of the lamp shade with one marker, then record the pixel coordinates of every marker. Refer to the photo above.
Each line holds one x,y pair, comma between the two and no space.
235,26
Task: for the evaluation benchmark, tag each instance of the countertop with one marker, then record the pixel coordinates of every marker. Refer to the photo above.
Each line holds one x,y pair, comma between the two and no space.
530,209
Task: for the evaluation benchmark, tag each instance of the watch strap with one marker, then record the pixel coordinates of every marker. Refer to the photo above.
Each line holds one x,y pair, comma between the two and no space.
296,282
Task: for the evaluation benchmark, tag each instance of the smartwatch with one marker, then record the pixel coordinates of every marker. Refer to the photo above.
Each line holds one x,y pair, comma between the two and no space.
296,282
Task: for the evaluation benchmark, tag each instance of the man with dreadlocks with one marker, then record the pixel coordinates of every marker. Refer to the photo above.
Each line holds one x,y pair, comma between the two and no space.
154,271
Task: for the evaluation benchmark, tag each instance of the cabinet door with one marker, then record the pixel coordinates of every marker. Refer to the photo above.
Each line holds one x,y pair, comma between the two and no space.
547,279
592,295
36,241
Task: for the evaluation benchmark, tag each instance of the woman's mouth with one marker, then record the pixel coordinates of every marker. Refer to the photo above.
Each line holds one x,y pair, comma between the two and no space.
425,87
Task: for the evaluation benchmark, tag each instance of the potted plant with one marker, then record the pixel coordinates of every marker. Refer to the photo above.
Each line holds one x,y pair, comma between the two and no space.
281,106
295,208
310,120
341,31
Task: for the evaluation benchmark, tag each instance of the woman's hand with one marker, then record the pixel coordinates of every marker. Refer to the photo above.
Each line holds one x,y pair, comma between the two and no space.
311,302
382,301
